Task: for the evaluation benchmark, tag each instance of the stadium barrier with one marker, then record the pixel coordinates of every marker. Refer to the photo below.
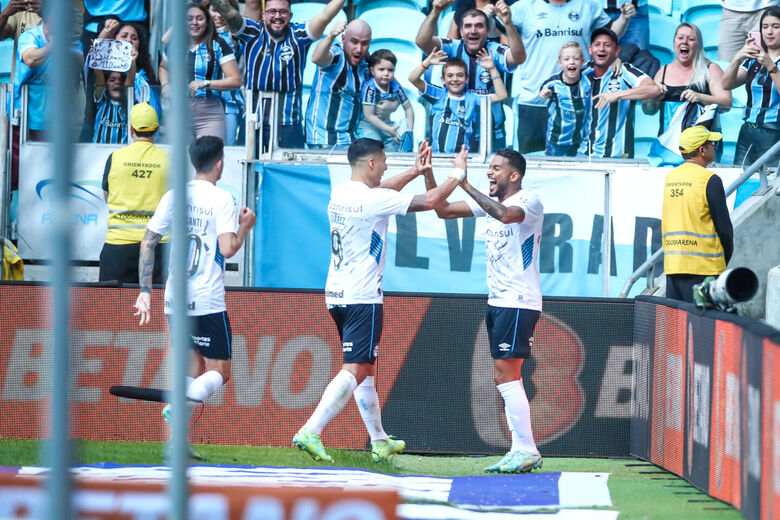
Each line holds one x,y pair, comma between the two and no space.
707,401
435,377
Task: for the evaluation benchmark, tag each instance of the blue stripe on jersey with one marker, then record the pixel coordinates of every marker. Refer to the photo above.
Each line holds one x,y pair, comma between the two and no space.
375,249
763,100
371,94
203,63
528,251
110,121
277,66
334,107
612,129
569,110
227,332
479,80
453,118
219,258
233,99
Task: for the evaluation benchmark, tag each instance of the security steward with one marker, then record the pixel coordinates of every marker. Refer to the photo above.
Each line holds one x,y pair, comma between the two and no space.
698,237
134,180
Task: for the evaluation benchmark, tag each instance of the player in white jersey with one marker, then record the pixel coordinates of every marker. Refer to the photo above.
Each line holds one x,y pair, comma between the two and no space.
512,239
359,211
216,232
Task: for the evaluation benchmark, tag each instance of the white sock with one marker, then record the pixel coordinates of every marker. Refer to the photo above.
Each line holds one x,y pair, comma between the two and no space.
205,386
518,415
333,399
368,403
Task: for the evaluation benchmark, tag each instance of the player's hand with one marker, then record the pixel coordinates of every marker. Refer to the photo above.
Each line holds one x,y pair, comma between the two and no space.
337,29
600,101
441,5
503,12
485,59
246,218
628,10
422,163
143,305
461,159
545,93
691,96
437,57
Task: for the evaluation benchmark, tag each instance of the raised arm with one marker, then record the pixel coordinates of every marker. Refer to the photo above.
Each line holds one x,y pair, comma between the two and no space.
230,243
506,215
130,77
438,195
322,56
516,54
317,24
143,303
447,210
426,37
233,18
421,163
499,89
434,58
620,24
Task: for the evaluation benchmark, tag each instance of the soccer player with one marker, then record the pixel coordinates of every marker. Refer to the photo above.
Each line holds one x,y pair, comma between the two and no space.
454,109
334,107
615,95
217,230
275,55
568,92
359,211
512,238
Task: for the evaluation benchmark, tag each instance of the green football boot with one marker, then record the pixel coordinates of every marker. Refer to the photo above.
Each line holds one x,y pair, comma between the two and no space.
311,444
381,451
494,468
521,462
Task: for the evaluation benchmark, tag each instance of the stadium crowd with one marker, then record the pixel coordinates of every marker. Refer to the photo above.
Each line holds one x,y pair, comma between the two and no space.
572,71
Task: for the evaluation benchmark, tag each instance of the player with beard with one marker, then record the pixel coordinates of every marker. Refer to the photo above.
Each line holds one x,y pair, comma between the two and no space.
334,107
275,55
614,97
474,30
512,239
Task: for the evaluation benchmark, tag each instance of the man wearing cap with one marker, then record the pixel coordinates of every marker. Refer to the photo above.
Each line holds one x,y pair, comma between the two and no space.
614,97
698,238
134,180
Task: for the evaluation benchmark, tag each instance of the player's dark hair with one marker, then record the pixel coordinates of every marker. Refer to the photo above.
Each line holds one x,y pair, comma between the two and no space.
454,62
474,12
205,152
381,54
515,159
147,133
363,148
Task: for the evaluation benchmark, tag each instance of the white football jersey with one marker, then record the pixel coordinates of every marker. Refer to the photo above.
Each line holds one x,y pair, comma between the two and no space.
512,254
358,218
211,212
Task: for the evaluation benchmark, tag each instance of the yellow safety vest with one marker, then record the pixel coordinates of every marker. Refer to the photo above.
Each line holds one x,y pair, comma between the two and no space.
137,181
691,244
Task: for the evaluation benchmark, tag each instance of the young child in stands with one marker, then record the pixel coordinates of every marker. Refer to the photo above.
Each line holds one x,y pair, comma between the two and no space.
454,111
381,96
569,108
111,105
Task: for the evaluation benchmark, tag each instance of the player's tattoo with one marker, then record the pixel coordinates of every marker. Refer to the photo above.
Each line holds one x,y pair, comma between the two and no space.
492,207
233,18
146,260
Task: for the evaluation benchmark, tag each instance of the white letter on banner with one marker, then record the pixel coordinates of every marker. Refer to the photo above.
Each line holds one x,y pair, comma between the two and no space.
615,379
732,415
353,509
754,432
250,379
641,394
138,345
487,407
94,501
80,340
701,404
144,506
17,386
263,509
208,506
674,385
305,509
283,367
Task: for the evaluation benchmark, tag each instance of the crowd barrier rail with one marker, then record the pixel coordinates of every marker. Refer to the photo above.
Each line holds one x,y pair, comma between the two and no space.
706,401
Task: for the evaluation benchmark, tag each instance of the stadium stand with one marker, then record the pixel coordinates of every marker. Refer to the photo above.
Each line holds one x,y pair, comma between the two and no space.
304,12
364,6
661,36
6,59
445,20
660,6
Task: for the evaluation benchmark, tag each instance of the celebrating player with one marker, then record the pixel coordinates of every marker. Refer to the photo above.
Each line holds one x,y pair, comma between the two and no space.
216,230
513,235
359,211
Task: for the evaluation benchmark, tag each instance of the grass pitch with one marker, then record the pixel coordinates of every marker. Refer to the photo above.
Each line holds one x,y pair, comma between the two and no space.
639,490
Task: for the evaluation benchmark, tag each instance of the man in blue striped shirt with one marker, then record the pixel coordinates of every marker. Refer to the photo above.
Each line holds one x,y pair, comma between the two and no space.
275,55
334,106
474,29
614,97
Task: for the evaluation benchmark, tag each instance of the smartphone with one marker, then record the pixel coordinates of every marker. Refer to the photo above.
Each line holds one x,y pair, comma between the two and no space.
755,38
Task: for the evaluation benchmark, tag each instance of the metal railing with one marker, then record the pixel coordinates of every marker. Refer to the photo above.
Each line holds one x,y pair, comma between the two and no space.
648,266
